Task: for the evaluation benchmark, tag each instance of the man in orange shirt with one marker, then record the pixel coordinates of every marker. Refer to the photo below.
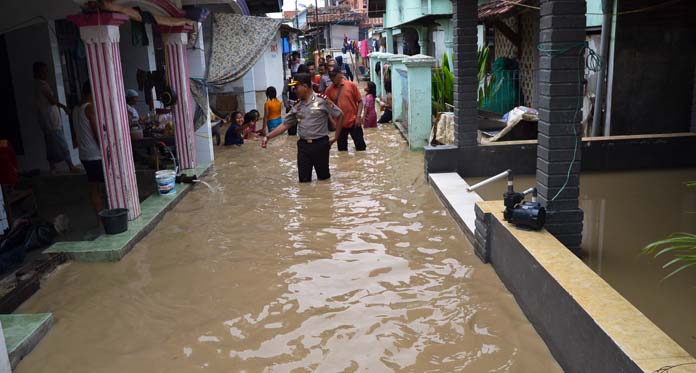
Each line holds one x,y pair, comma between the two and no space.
348,98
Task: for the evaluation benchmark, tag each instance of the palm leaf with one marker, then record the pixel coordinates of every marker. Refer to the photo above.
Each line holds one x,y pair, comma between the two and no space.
681,244
685,266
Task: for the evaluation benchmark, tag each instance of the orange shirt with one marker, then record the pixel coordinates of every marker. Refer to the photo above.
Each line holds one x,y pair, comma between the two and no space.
349,102
273,108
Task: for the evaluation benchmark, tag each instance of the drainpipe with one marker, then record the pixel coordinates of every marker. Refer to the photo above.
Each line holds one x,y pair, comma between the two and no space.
610,79
601,75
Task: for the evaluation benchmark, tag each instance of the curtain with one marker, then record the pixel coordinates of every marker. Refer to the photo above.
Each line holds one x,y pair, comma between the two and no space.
238,42
199,92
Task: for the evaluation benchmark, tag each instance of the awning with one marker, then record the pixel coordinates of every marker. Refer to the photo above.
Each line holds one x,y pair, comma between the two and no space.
284,28
260,7
238,42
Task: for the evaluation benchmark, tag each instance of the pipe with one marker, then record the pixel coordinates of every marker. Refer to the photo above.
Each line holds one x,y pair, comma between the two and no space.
601,75
610,68
490,180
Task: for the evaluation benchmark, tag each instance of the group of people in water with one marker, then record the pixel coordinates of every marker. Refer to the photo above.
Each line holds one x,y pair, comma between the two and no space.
329,80
319,98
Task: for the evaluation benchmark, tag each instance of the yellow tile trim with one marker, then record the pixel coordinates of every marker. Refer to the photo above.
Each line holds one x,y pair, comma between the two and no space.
632,331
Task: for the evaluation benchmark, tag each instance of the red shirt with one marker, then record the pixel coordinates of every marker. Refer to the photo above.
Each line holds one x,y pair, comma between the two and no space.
349,102
316,79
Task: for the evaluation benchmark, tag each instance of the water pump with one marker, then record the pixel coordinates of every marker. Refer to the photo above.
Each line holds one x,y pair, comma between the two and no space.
529,214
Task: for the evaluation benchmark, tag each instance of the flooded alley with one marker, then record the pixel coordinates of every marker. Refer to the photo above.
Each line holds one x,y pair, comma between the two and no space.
365,272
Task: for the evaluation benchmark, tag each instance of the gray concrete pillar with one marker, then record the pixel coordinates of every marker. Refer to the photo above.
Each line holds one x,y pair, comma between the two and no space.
465,62
561,38
423,39
389,46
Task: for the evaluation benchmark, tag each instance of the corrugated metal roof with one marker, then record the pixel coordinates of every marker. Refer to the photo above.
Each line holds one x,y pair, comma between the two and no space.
494,8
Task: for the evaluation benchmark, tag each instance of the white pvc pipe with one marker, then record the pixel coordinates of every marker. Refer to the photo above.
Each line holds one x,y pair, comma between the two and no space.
489,180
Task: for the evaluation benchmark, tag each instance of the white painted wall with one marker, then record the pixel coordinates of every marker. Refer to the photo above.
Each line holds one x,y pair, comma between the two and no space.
249,84
268,71
136,58
338,31
22,58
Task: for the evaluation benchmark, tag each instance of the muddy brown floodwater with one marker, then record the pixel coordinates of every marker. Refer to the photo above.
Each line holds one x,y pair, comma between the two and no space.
365,272
625,211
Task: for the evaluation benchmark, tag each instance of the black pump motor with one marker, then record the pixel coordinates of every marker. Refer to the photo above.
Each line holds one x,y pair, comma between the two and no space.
527,214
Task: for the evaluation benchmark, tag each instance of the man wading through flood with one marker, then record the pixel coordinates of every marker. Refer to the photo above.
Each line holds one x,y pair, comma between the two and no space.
311,115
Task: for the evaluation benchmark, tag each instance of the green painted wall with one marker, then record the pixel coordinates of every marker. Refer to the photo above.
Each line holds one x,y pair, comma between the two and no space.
594,13
399,12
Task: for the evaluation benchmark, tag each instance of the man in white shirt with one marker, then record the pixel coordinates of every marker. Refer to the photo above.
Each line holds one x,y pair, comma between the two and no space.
131,100
48,114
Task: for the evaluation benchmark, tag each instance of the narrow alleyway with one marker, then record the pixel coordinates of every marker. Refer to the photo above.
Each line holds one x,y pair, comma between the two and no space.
365,272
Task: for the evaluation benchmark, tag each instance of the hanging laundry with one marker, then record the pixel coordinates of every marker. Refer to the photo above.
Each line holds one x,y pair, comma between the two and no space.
364,49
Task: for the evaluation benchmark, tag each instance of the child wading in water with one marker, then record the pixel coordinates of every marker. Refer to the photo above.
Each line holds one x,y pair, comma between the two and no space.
234,134
250,120
369,113
271,111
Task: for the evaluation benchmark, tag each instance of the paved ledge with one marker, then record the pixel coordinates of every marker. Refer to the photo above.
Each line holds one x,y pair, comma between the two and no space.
451,189
587,325
111,248
23,333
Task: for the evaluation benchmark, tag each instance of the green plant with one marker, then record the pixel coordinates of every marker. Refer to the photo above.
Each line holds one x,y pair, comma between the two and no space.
487,83
442,86
680,245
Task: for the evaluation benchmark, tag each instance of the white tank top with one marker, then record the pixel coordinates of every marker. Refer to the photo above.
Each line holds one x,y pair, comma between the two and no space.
87,145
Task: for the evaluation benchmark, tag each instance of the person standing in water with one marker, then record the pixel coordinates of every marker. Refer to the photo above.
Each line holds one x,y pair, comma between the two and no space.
87,130
369,114
271,111
347,96
310,114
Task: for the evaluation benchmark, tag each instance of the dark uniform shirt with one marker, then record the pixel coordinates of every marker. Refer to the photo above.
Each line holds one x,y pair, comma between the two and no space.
312,116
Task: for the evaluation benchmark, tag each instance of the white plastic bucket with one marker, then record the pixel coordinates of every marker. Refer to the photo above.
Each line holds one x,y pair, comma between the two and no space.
166,182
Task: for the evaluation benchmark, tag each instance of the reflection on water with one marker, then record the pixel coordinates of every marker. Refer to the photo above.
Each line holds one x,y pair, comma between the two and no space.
365,272
625,211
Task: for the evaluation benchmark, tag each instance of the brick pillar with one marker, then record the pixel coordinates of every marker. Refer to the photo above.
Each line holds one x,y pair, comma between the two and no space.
465,81
175,40
100,34
561,37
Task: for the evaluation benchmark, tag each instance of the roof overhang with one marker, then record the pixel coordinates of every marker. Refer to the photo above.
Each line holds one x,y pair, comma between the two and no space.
504,8
261,7
290,30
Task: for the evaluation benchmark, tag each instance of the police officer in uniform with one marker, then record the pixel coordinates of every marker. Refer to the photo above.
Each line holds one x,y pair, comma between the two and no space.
310,113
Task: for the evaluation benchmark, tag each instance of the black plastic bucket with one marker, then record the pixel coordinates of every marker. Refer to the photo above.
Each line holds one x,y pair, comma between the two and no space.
114,220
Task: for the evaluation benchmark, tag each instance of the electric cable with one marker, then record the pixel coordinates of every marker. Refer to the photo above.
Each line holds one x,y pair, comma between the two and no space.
592,62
